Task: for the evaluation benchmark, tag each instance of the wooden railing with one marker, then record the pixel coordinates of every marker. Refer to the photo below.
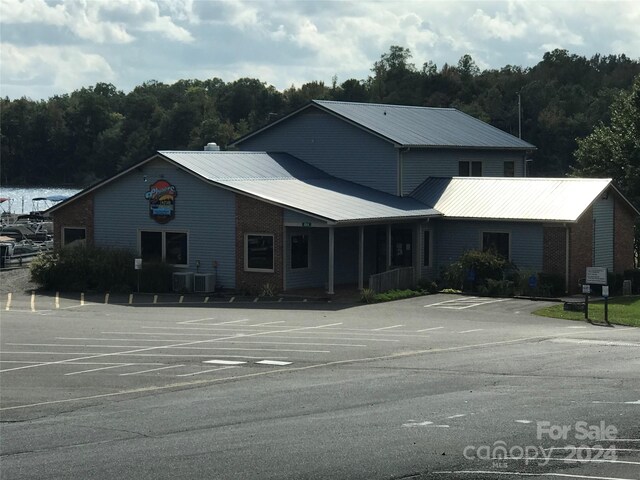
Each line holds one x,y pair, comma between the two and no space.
396,279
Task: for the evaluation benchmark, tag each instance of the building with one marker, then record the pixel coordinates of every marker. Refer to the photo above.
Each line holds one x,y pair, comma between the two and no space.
337,191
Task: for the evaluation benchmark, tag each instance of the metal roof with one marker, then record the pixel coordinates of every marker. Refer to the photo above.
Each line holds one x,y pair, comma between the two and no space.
410,126
284,180
498,198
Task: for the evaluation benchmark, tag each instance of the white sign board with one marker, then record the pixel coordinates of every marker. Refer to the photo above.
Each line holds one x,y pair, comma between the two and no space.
586,288
138,263
596,275
605,291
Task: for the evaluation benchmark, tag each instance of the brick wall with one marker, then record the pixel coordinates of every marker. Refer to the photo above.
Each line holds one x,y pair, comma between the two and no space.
253,216
77,214
580,249
554,252
624,218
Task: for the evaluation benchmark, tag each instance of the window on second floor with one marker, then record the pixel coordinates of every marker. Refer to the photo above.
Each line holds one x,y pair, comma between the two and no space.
469,169
509,169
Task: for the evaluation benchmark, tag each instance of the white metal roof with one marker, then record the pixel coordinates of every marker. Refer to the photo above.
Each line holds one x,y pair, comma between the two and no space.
282,179
528,199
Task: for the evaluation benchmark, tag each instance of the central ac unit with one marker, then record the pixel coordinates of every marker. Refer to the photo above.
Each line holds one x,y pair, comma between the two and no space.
204,282
183,282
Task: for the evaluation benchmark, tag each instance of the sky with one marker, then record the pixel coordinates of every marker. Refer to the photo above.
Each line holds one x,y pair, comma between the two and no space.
52,47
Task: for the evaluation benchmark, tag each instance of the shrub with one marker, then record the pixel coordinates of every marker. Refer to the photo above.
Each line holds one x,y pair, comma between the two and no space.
87,268
366,295
634,276
475,268
395,295
551,284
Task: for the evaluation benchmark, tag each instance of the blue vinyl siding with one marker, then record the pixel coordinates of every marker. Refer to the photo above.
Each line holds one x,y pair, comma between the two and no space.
206,212
418,164
317,273
334,146
453,237
603,233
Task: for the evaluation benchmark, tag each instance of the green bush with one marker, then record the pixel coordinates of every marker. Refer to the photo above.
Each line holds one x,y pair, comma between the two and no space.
484,272
551,284
86,269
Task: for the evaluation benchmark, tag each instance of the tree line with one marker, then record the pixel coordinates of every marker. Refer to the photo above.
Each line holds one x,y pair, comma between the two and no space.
75,139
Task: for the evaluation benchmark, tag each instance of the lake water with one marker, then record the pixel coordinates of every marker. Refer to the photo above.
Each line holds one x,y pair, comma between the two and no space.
21,199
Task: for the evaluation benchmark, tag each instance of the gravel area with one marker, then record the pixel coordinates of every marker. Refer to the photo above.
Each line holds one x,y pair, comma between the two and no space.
16,281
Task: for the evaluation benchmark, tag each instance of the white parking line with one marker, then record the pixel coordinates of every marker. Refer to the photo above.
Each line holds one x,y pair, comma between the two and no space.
124,354
97,369
170,347
151,370
225,362
229,341
429,329
274,362
204,371
473,330
271,335
387,328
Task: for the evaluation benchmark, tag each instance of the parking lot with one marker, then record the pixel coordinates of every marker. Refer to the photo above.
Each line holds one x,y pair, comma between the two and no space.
61,357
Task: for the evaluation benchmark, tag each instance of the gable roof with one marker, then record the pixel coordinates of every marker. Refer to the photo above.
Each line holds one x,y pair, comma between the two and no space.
286,181
420,127
521,199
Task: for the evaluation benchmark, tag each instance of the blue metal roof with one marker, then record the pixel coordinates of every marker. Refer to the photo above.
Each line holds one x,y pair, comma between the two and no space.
410,126
284,180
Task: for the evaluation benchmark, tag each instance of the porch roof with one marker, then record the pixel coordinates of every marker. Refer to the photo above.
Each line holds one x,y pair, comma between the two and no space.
284,180
521,199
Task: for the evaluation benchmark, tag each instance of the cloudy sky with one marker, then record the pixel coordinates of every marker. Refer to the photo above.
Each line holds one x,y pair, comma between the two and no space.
52,47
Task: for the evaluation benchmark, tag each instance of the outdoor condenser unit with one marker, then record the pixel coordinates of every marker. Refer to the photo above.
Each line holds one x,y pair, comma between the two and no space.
183,282
204,282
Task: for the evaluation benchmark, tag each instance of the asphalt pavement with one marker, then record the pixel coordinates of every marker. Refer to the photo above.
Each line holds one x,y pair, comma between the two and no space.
441,386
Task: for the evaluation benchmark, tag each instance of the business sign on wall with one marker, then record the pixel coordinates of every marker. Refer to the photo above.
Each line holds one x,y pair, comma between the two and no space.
162,201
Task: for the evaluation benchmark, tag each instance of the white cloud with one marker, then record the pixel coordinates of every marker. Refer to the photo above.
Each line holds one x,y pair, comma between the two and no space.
285,41
61,70
97,21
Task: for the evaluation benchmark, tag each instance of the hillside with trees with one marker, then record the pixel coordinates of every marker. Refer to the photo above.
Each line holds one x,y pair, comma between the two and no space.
75,139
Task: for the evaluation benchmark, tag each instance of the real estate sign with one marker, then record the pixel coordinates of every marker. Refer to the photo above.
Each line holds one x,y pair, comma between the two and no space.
596,276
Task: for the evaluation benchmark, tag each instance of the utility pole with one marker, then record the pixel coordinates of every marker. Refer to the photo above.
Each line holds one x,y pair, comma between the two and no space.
519,117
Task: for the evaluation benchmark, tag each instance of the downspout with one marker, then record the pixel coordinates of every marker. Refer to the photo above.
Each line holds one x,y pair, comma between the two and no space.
400,171
566,260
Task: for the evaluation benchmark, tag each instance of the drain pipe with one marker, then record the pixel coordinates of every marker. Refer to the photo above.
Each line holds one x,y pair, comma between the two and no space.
566,259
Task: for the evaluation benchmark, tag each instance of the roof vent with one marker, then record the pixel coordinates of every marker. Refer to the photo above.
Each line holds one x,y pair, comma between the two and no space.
211,147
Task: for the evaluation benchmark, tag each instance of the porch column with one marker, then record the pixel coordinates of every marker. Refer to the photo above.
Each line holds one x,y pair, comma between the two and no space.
331,258
388,248
360,258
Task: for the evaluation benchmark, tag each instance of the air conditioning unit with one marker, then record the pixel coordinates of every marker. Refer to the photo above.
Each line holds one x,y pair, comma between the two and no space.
204,282
183,282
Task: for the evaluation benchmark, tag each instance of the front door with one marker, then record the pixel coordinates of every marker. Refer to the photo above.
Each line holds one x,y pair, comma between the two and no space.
401,247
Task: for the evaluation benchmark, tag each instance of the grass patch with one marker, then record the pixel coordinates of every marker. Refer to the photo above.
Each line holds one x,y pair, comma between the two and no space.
368,296
622,311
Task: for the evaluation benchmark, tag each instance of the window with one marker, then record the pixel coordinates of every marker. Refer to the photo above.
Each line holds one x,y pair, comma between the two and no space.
258,252
509,169
496,241
299,251
76,236
473,169
426,248
169,247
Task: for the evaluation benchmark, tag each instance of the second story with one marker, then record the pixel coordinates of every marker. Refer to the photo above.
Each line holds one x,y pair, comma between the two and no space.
391,148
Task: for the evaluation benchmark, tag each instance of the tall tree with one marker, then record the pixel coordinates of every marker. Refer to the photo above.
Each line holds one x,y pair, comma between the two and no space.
614,150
